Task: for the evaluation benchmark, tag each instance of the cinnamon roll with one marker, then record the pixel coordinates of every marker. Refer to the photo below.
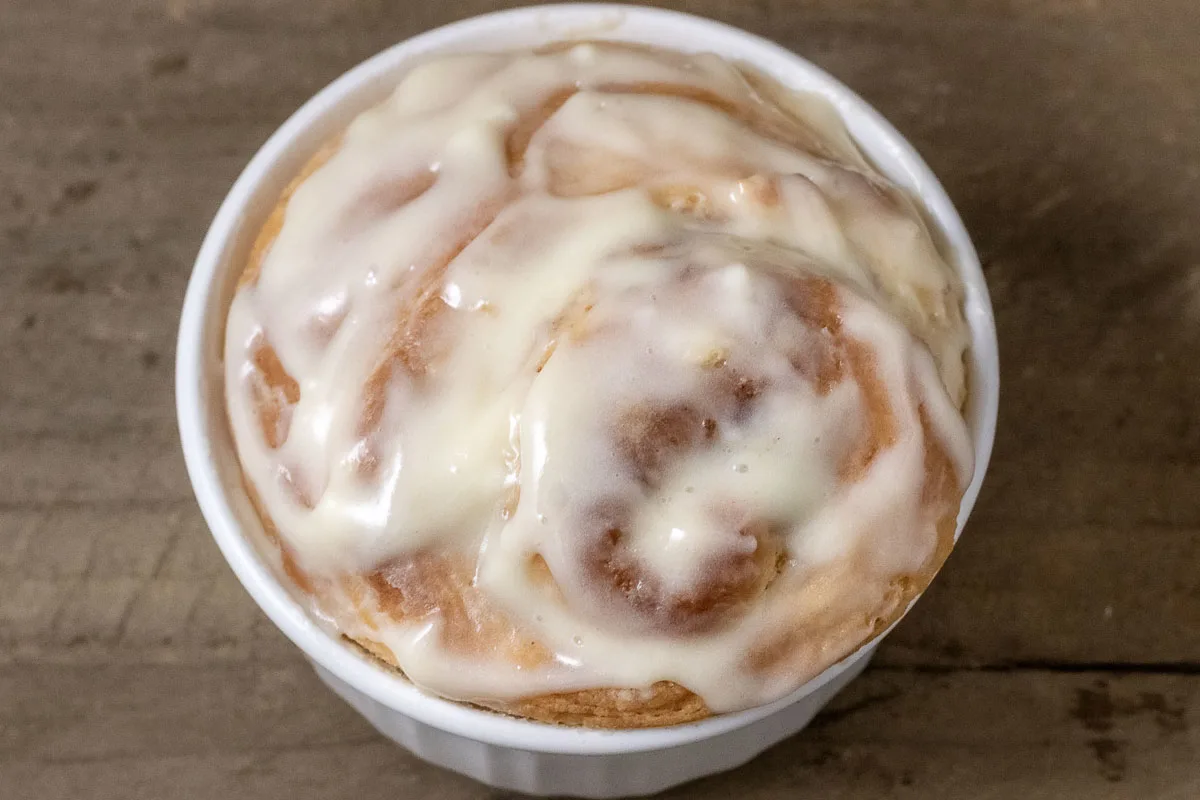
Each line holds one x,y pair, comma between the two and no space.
600,385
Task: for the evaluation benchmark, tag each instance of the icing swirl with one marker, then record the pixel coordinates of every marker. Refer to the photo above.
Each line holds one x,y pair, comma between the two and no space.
601,368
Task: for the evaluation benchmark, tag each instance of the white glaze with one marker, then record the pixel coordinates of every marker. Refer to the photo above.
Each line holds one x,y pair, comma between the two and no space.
449,451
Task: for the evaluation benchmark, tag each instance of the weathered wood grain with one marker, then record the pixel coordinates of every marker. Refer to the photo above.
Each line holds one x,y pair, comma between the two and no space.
271,732
1057,656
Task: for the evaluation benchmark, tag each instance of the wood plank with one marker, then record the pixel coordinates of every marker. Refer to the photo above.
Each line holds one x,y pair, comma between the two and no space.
1012,593
276,732
107,359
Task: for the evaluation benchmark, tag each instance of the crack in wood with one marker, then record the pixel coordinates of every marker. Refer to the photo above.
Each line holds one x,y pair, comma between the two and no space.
1056,666
834,715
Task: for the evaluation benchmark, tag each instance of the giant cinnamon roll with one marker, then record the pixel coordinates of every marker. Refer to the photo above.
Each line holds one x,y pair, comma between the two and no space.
600,385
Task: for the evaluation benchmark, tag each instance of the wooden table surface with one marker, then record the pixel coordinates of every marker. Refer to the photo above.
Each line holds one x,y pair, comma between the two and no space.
1057,656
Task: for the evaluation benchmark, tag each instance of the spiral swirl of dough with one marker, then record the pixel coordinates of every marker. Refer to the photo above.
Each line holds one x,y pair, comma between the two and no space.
600,385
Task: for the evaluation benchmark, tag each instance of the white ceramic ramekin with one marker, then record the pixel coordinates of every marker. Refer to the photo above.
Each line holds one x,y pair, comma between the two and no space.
504,752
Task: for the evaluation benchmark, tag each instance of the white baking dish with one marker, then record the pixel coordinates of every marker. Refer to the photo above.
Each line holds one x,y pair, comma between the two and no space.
501,751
